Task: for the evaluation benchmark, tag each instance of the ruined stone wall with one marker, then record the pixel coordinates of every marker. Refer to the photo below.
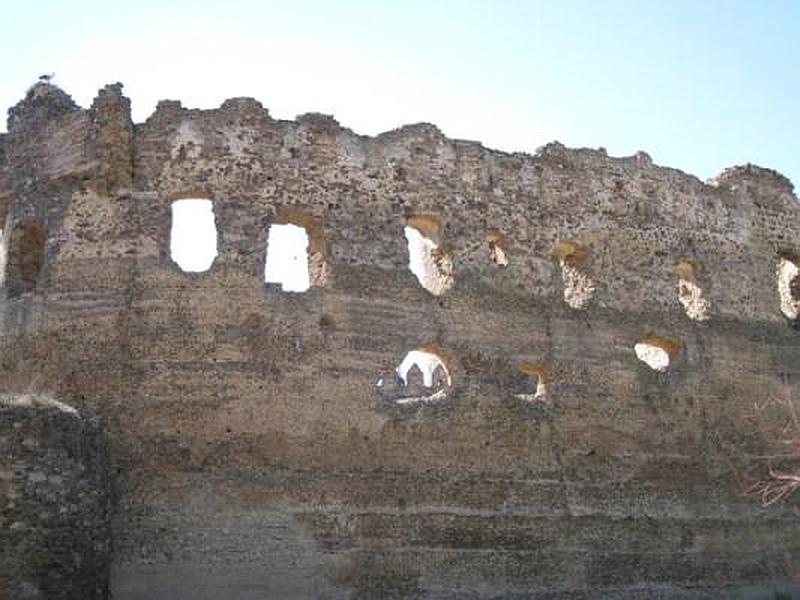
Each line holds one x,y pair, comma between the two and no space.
255,455
55,498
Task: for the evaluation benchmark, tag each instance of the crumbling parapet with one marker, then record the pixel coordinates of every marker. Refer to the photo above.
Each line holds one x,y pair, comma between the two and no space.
54,503
113,135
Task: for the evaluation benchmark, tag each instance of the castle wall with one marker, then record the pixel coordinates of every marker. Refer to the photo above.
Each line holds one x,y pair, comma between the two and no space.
54,502
253,452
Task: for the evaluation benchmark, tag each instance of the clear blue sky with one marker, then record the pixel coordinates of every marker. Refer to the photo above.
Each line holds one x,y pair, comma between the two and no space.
700,85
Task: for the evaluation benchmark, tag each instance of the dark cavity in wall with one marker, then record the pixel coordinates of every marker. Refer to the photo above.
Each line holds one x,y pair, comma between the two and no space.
24,257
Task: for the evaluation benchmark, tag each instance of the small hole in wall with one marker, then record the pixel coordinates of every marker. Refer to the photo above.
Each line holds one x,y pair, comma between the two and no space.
24,256
422,376
193,237
295,253
690,294
427,258
539,375
574,258
789,287
497,247
656,352
430,366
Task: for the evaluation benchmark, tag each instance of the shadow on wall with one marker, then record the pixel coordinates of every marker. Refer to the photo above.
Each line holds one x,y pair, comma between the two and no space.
24,257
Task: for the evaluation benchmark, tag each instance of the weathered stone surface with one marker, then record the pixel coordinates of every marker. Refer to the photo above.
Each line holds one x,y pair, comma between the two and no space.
54,503
253,453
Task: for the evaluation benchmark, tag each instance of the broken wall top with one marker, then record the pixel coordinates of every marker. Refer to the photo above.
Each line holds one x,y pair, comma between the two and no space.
636,219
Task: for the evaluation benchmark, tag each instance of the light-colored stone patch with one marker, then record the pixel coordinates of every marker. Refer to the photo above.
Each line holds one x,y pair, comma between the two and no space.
240,141
690,295
578,286
187,143
349,151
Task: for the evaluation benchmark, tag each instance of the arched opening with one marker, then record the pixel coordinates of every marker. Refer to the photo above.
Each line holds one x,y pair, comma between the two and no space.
690,293
193,236
538,376
789,287
579,287
498,253
422,376
428,259
295,256
24,257
656,352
